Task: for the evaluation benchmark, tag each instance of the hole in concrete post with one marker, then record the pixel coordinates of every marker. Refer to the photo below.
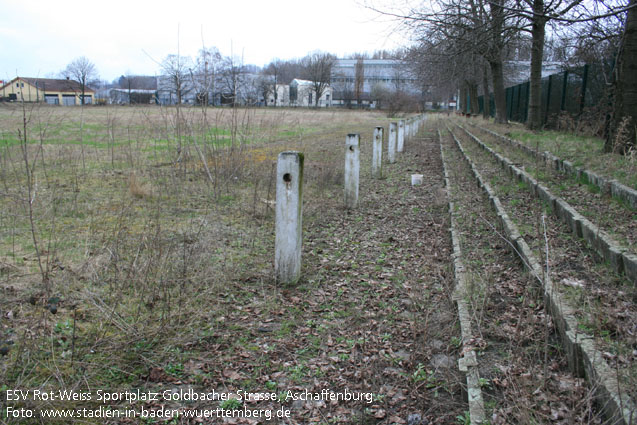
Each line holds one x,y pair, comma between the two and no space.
287,177
351,148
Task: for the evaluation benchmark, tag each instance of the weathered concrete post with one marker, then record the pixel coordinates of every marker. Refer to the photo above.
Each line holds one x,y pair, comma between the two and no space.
352,170
377,153
401,136
407,130
289,217
391,143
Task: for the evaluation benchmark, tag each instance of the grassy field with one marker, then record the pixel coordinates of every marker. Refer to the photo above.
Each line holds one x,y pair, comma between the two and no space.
87,169
130,235
137,248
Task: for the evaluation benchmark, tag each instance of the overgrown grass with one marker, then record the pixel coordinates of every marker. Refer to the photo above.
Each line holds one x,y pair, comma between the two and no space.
149,226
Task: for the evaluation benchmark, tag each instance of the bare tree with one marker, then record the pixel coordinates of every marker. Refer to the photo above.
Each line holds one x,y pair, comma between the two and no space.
317,68
83,71
539,13
431,62
274,71
176,72
203,76
622,134
232,78
266,87
471,28
359,80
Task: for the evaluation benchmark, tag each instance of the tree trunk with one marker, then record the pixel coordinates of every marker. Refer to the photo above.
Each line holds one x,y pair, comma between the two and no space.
486,98
462,102
473,98
499,94
534,121
621,135
494,58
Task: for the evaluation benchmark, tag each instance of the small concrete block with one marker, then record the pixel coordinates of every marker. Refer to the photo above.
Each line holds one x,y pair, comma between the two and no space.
568,214
544,194
509,228
615,257
629,195
561,208
629,262
589,231
616,189
577,225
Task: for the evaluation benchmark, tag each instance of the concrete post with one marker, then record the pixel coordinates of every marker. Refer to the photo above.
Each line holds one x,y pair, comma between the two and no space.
289,217
401,136
352,170
377,153
407,130
391,142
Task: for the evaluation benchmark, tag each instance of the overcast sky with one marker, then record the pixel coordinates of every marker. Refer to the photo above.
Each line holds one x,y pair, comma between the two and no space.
38,38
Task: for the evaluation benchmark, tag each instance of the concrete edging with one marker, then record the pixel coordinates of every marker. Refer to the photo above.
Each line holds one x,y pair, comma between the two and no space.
606,185
620,259
584,359
469,362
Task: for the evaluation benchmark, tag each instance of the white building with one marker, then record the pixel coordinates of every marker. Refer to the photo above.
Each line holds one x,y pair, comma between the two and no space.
282,96
134,96
362,80
302,93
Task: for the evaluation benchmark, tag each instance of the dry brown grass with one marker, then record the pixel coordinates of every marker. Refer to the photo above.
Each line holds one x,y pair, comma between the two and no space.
145,249
138,189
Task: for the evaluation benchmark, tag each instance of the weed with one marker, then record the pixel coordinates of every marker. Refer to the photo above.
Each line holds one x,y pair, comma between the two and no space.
231,404
464,419
175,369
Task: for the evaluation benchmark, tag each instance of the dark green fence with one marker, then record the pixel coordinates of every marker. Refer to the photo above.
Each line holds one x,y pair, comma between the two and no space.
572,91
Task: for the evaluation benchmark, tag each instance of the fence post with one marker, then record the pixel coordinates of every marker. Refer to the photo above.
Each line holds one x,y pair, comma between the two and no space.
509,102
517,106
391,142
564,83
289,217
548,99
400,145
377,153
527,89
352,170
582,101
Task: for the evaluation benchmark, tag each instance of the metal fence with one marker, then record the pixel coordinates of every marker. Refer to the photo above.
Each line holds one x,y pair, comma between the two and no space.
572,91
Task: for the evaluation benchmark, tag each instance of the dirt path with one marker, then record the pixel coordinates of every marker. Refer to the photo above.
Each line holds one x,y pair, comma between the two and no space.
376,312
